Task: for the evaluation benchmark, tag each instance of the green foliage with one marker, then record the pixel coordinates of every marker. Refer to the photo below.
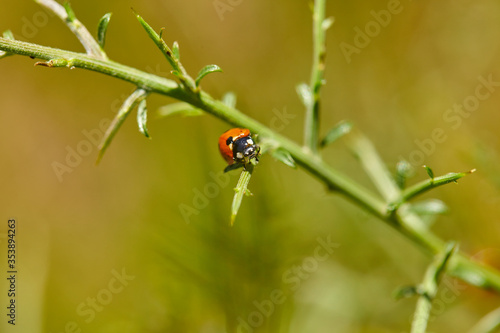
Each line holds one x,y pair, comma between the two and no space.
69,11
229,99
404,170
341,129
284,157
136,97
102,29
142,118
175,50
429,171
241,189
181,108
205,71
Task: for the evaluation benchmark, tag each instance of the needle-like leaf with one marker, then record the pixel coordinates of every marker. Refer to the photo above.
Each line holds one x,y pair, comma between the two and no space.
181,108
129,104
341,129
241,189
102,29
142,118
205,71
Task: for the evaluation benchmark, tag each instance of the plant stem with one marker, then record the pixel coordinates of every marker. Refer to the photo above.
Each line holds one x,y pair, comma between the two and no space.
84,36
130,103
460,266
429,184
241,190
429,288
488,324
311,131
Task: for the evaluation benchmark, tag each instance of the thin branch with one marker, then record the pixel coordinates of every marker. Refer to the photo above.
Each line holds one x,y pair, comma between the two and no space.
241,190
376,169
488,324
460,266
91,46
429,288
130,103
171,57
320,25
427,185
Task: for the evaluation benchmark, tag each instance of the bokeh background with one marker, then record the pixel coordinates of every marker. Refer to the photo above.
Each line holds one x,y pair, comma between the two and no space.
197,274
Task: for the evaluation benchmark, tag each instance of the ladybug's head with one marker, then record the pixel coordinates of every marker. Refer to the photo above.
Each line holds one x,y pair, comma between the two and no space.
244,149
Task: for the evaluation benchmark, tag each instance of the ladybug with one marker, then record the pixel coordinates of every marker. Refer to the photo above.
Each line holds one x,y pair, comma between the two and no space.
237,146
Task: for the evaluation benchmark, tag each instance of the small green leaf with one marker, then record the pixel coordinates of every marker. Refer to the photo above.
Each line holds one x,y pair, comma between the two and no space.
305,94
241,189
283,156
136,97
160,43
341,129
229,99
327,23
429,207
181,108
443,259
181,76
404,170
142,118
427,185
429,171
205,71
428,210
232,167
405,292
8,34
102,29
175,51
178,69
71,14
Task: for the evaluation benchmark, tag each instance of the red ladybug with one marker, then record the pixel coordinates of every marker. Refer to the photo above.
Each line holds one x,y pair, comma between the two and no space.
237,146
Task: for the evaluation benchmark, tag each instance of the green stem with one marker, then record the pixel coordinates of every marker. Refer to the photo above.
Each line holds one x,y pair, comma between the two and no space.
84,36
429,288
241,190
488,324
460,265
130,103
429,184
311,132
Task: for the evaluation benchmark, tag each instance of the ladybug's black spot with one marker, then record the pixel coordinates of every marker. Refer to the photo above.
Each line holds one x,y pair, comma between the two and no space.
229,140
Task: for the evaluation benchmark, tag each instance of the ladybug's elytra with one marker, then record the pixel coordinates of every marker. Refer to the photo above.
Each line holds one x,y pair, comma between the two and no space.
237,146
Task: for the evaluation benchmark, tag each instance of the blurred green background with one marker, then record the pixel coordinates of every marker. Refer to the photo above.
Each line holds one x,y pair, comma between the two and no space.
197,274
